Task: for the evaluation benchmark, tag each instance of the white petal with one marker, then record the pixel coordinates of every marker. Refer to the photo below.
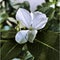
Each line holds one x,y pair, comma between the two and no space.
16,59
24,16
39,20
22,36
32,35
33,3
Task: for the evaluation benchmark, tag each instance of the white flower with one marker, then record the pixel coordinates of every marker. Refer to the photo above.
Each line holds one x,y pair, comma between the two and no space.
33,21
58,3
33,3
0,0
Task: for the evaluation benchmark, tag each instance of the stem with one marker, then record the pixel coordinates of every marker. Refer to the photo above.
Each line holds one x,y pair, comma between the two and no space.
3,41
46,45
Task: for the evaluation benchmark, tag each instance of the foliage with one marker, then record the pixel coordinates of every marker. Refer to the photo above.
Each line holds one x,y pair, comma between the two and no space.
46,44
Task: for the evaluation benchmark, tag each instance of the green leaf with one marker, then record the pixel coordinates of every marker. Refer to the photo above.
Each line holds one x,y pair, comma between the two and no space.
46,45
25,5
6,47
55,26
49,37
2,41
44,7
46,41
10,50
50,13
35,49
3,17
8,34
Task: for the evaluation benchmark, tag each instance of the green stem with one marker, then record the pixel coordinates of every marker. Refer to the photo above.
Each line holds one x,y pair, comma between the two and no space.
3,41
46,45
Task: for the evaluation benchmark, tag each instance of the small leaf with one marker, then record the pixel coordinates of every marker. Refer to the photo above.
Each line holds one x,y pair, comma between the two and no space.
3,17
12,20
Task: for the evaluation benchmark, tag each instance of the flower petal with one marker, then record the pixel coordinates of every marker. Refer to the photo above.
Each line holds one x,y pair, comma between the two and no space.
16,59
22,36
24,16
32,35
39,20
